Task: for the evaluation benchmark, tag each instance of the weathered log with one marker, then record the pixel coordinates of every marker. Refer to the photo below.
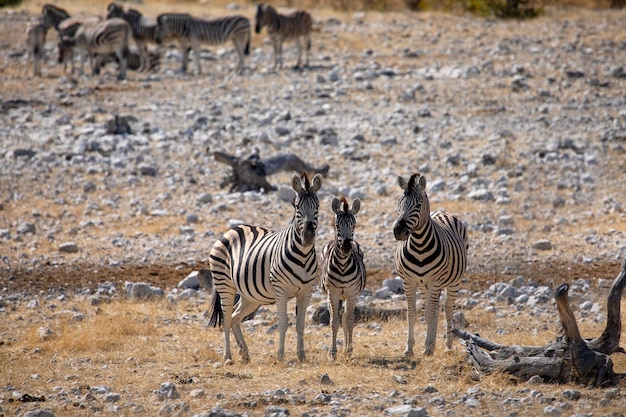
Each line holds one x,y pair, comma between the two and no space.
553,362
249,173
590,366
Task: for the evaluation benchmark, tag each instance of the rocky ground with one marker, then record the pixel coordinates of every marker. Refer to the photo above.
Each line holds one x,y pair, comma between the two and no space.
519,127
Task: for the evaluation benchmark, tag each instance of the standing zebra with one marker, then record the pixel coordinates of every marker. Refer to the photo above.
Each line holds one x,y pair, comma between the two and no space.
35,41
280,28
267,267
343,271
98,40
52,16
431,255
191,31
144,30
67,29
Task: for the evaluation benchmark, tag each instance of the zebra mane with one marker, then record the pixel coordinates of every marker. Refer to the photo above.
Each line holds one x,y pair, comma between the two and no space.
412,180
344,203
305,177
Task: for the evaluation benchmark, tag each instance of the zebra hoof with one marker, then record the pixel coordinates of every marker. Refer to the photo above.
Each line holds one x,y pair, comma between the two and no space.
408,353
229,362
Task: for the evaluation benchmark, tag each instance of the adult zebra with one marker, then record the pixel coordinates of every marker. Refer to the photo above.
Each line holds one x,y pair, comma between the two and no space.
280,28
67,29
267,267
52,15
191,31
343,271
144,30
99,40
35,42
431,255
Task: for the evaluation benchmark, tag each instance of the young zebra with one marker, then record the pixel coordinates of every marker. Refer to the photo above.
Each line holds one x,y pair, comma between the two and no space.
35,42
67,29
191,31
280,28
267,267
98,40
431,254
343,272
52,16
144,30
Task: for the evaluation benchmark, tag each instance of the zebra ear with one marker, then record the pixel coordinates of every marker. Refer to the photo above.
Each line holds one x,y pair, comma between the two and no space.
317,182
336,205
296,184
356,206
402,182
422,183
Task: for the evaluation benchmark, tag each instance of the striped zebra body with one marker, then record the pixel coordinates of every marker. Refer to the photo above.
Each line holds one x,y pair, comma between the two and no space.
431,256
191,31
35,42
280,28
52,15
101,39
267,267
144,30
67,30
343,272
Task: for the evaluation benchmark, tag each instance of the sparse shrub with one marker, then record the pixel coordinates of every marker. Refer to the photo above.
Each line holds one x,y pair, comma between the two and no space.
505,9
618,4
6,3
412,4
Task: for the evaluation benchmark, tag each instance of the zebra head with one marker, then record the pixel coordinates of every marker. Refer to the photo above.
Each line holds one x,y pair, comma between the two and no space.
413,206
52,15
306,206
263,14
114,10
345,223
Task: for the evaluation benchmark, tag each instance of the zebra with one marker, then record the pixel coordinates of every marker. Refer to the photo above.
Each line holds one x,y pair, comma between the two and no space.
266,267
100,39
35,42
144,30
67,29
343,271
52,15
191,31
294,26
431,255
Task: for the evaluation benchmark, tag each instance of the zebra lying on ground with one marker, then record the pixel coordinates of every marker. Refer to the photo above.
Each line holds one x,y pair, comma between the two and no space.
267,267
67,29
280,28
144,30
431,255
343,272
191,31
98,40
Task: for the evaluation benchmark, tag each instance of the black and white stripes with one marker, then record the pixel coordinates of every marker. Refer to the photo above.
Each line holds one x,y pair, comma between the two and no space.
431,255
343,274
295,26
35,41
144,29
192,31
266,267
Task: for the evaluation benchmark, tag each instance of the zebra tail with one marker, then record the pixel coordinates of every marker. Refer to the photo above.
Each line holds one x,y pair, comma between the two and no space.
247,50
217,314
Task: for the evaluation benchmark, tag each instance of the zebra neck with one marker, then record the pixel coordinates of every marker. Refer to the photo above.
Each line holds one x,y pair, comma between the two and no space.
422,233
296,243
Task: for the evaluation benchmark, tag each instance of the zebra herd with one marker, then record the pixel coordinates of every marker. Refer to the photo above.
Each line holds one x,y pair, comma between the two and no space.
101,39
271,267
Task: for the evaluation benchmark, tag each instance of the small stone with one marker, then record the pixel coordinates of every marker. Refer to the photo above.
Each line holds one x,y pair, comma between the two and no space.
68,247
542,244
325,380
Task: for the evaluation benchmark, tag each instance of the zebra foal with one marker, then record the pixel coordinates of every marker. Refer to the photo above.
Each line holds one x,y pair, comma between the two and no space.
35,42
144,30
431,255
267,267
280,28
67,29
343,271
191,31
99,40
52,15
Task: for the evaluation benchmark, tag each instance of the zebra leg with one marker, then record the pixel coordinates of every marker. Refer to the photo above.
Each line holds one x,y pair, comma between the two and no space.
302,302
244,307
348,323
184,51
411,315
432,319
227,300
333,304
299,45
122,55
307,43
240,52
276,52
280,55
195,45
451,294
281,308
